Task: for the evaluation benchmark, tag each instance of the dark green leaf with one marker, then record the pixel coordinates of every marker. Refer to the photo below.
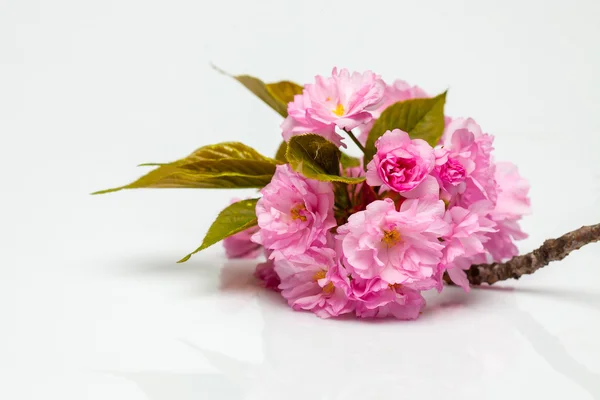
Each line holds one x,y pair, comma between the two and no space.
233,219
316,158
224,165
280,156
420,118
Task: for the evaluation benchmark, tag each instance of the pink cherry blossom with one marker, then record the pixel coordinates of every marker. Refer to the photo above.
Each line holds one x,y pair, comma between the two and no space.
464,167
468,230
466,239
513,203
299,122
400,164
375,298
240,245
344,100
451,173
306,285
265,272
294,213
398,247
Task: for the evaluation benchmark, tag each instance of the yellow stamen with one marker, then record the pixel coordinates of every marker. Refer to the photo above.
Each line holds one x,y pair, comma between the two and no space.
329,288
319,275
391,237
395,286
339,110
296,212
328,99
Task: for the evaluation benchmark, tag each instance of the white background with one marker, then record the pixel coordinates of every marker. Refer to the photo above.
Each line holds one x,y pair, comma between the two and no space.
92,305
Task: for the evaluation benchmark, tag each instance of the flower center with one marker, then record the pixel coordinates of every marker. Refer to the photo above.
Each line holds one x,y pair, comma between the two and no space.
395,286
298,212
319,275
452,172
400,168
329,288
339,110
391,237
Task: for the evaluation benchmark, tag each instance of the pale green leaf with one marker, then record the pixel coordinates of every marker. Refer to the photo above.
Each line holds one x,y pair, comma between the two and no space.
420,118
224,165
235,218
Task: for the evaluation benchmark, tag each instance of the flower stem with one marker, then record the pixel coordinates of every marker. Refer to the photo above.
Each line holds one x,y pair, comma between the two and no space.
551,250
355,140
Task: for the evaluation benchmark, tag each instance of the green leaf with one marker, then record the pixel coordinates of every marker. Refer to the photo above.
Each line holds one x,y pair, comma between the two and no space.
280,156
276,95
348,161
235,218
284,91
316,158
223,165
420,118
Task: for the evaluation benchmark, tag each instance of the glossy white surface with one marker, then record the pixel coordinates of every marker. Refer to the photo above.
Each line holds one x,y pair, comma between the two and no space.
92,305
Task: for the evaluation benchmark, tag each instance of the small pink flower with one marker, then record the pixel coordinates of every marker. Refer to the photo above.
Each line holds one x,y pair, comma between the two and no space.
464,166
294,213
451,173
398,247
240,245
344,100
467,238
306,285
513,203
265,272
400,164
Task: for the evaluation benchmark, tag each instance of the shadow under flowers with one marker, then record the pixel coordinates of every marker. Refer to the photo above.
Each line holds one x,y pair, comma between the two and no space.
461,345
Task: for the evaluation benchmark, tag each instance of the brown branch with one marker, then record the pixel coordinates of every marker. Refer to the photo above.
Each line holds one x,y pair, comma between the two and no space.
355,140
551,250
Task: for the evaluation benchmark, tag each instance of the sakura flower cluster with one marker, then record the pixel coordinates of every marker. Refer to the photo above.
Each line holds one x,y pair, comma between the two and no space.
424,210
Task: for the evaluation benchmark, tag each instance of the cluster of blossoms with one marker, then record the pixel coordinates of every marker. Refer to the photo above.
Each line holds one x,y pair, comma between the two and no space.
422,212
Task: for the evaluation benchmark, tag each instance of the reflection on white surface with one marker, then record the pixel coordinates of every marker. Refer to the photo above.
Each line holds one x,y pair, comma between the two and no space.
506,351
